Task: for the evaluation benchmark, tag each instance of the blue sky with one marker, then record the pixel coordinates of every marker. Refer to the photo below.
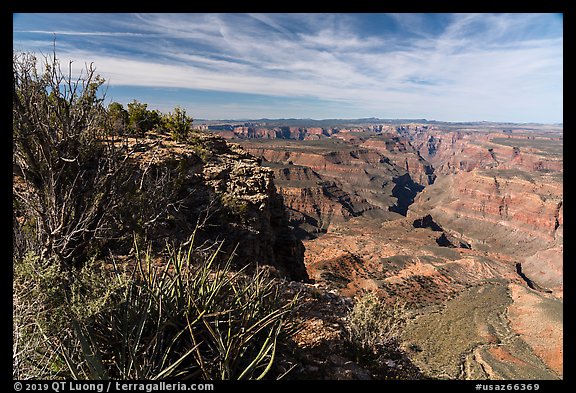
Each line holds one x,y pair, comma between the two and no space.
451,67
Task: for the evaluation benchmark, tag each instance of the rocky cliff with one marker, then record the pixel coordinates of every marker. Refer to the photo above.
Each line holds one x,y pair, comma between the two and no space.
399,151
453,151
328,181
502,211
313,203
227,194
281,132
501,192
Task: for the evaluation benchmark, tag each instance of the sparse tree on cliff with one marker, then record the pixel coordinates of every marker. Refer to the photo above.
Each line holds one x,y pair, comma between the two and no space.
118,117
155,119
177,123
141,120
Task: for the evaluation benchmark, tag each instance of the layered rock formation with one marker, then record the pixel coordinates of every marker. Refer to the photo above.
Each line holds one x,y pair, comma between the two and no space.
463,224
453,151
358,178
504,194
401,153
500,196
313,203
283,132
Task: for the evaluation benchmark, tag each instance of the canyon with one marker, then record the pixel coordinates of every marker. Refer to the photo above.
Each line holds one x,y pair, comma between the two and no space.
461,222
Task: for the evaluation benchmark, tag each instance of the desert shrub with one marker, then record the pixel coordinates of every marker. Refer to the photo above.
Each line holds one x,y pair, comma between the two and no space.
187,318
76,192
237,206
374,326
118,118
178,124
36,299
67,177
140,119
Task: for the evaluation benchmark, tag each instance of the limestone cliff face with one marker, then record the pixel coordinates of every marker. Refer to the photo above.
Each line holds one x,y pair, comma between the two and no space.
313,203
450,152
348,179
501,210
233,198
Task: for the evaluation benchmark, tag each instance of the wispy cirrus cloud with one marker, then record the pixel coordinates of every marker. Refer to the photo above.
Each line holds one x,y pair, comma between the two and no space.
83,33
452,67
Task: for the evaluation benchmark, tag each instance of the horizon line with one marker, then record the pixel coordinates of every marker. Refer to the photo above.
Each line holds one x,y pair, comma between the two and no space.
421,120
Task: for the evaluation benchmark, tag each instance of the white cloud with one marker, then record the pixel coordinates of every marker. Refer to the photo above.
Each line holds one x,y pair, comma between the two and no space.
83,33
492,62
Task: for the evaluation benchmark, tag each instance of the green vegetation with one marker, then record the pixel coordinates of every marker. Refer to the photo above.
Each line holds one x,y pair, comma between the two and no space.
118,117
544,145
193,140
80,313
186,318
140,119
235,205
177,124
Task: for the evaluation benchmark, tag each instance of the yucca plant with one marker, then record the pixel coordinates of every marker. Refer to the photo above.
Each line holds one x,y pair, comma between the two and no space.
192,317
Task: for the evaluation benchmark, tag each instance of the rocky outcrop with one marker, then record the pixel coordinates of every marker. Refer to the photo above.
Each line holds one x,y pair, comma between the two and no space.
230,197
399,151
446,240
427,222
501,191
450,152
503,198
320,348
505,211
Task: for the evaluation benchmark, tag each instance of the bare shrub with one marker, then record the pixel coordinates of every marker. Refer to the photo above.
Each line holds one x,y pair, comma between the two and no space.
76,188
373,325
67,179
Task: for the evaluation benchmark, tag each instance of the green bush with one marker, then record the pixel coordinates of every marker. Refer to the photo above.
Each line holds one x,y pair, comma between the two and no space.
118,118
140,119
186,319
236,205
178,124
